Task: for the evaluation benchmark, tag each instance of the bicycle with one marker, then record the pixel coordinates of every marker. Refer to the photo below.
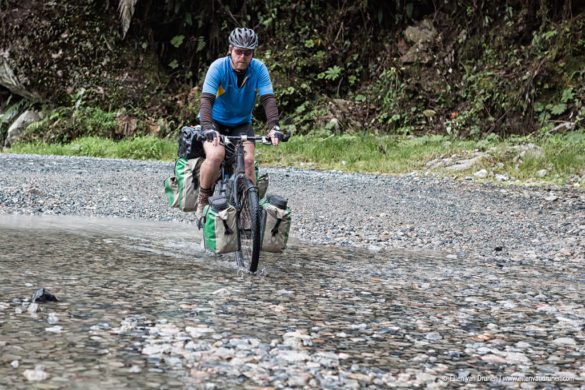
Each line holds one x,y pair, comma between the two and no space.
242,194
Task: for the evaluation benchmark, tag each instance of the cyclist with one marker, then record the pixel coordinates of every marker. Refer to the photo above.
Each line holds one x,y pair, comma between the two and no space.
227,99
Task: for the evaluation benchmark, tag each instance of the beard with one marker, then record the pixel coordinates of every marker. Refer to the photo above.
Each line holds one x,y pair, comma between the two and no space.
240,66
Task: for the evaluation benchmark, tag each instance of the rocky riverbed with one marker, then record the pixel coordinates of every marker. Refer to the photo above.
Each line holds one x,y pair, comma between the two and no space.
423,282
140,306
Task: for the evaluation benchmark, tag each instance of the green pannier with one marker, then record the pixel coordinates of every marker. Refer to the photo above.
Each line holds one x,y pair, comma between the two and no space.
172,191
182,190
219,226
276,223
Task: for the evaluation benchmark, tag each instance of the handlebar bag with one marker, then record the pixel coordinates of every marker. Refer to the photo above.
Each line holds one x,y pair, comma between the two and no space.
182,190
220,230
276,227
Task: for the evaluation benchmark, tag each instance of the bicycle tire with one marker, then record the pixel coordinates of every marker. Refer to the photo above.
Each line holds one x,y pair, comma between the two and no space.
248,222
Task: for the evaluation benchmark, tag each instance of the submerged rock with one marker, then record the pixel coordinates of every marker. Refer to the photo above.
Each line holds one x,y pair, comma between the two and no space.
42,296
36,375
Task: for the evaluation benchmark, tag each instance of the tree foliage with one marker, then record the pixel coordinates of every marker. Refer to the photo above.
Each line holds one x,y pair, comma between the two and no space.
494,66
507,66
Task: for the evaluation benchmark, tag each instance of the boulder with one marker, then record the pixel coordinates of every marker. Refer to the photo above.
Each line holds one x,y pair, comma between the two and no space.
10,80
420,37
16,129
424,32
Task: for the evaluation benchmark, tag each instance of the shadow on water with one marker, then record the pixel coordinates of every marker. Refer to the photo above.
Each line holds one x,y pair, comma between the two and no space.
126,286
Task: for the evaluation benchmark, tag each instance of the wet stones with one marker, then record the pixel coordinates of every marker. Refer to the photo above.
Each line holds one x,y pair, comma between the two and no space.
54,329
32,308
433,336
198,331
565,342
52,318
319,317
36,375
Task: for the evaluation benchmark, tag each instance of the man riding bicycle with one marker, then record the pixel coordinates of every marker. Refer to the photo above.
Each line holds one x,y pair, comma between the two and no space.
227,100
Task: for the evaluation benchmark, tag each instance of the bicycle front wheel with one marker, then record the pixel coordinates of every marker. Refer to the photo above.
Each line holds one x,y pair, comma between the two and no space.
248,225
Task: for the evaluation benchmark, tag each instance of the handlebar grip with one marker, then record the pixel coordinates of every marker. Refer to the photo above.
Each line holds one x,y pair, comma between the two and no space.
269,140
285,137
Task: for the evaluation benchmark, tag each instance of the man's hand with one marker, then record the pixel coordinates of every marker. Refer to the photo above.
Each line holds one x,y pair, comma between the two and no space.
275,135
210,135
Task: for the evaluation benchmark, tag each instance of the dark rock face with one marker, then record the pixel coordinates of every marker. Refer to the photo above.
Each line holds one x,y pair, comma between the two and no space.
56,51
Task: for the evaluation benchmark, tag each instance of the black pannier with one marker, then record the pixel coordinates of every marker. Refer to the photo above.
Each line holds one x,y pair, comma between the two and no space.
189,146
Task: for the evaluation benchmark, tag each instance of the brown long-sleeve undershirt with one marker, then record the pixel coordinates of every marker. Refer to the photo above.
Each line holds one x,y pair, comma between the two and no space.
269,104
207,100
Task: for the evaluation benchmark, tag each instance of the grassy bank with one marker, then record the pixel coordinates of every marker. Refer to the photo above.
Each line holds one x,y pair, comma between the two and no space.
557,159
139,148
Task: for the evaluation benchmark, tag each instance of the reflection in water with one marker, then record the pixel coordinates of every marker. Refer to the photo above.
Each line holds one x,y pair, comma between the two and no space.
140,305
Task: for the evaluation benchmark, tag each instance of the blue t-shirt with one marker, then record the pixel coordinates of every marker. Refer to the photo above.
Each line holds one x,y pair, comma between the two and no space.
233,106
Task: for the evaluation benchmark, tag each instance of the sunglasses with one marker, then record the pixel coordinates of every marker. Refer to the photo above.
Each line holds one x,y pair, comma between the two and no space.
243,52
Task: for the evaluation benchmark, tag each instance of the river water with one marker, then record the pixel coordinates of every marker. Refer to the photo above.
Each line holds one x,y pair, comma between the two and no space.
142,306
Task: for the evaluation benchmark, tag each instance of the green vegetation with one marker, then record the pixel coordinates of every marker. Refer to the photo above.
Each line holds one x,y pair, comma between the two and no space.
373,86
561,156
410,67
360,153
138,148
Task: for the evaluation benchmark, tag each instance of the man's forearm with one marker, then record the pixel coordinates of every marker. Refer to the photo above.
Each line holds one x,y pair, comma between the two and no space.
205,109
269,103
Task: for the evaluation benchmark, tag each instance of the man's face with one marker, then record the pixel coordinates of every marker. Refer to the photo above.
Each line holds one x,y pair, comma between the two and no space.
240,58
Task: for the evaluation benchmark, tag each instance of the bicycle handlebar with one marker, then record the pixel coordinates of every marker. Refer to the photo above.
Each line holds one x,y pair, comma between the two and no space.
236,138
265,140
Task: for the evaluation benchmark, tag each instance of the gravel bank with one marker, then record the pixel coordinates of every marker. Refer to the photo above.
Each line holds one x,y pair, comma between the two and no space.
375,212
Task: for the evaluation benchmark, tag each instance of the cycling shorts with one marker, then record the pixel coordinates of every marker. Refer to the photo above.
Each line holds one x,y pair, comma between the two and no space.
243,129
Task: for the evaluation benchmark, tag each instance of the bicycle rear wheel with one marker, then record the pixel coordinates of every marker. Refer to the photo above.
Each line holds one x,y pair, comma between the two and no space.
248,225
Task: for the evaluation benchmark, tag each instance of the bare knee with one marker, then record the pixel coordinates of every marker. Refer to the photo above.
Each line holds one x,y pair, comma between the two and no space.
214,155
209,170
249,155
249,162
249,166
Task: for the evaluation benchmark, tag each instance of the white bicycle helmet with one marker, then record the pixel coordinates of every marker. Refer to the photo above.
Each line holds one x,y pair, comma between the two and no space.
244,38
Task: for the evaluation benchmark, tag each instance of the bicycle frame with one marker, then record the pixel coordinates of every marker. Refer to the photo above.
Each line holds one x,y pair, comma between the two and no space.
240,170
242,194
228,181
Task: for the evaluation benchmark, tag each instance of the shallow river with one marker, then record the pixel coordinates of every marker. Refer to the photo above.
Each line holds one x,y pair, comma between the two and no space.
141,306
